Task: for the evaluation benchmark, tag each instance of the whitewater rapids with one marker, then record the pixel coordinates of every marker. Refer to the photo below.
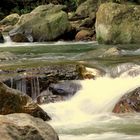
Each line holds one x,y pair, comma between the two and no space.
88,115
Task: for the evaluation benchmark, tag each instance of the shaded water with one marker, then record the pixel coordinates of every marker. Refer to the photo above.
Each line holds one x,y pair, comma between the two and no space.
87,116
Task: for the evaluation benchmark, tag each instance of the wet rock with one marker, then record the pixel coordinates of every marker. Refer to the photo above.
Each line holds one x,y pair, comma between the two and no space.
20,36
44,23
114,51
14,101
130,102
60,91
25,127
65,88
1,38
118,23
34,81
48,97
88,73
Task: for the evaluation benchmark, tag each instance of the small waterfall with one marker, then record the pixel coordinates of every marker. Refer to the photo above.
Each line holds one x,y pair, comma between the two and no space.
20,85
27,85
96,97
35,87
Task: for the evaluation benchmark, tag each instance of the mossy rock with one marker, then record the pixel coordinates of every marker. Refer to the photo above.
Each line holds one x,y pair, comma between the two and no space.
45,23
118,23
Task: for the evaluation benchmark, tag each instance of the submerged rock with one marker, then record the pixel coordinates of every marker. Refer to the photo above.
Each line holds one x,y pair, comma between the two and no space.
114,51
44,23
14,101
25,127
130,102
118,23
88,73
7,56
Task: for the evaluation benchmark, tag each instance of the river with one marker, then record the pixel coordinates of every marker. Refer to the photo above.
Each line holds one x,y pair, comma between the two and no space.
88,114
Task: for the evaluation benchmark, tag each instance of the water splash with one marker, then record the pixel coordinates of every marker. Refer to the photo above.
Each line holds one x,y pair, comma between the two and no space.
96,97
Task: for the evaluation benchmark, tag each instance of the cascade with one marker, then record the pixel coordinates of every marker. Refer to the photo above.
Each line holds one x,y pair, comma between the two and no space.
29,86
96,97
88,114
21,85
35,88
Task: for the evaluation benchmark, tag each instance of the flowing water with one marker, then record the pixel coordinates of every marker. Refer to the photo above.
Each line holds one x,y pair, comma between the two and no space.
88,114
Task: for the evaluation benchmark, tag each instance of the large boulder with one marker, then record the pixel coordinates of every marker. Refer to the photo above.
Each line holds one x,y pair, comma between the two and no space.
130,102
14,101
118,23
9,21
25,127
45,23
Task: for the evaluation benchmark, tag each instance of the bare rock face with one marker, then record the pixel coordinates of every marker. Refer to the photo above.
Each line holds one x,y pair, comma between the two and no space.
14,101
25,127
130,102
